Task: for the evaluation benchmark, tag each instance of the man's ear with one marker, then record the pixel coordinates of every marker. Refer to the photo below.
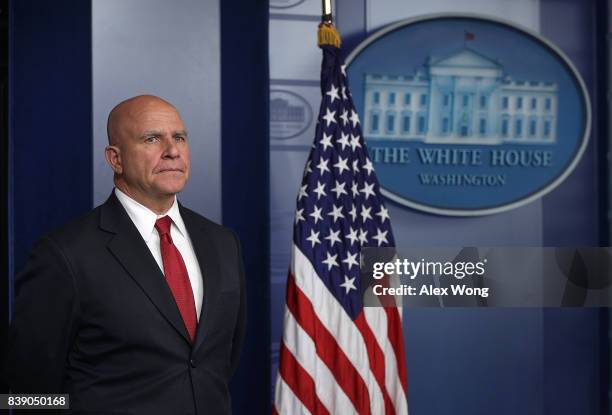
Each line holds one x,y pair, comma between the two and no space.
113,157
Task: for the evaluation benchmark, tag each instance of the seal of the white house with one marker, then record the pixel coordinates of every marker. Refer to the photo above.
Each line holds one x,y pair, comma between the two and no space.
466,115
290,114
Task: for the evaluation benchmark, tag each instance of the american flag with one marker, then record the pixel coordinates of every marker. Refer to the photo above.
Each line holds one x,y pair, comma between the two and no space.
337,356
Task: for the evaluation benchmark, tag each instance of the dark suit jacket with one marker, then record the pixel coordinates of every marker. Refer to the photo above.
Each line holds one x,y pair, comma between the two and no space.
95,318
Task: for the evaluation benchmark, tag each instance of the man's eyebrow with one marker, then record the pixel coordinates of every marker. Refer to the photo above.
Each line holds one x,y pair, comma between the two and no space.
156,133
149,133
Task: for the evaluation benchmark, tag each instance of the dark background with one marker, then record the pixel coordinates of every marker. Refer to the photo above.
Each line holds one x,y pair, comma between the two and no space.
4,232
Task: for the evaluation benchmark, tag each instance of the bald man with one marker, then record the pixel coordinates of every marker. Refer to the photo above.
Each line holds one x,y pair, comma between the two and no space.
138,307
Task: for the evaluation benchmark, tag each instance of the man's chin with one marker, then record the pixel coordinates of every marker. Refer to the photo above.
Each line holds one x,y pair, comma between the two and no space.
171,188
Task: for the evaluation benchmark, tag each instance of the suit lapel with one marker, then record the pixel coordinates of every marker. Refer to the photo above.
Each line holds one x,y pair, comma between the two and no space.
208,258
131,251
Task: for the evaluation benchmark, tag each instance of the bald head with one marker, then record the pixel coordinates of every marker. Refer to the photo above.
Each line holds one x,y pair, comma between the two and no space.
128,112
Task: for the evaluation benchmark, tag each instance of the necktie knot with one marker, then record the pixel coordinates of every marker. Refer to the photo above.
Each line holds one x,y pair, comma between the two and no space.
163,225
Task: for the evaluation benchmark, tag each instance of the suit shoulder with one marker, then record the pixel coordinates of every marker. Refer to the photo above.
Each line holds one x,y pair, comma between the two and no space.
72,230
211,227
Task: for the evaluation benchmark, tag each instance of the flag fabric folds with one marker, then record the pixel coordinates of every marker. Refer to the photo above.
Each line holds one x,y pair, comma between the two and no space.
337,356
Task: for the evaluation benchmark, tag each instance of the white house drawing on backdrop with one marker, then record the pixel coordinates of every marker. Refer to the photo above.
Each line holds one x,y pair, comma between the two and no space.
463,98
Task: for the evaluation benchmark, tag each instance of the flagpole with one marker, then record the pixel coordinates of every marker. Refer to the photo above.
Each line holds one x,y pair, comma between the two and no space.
326,15
327,34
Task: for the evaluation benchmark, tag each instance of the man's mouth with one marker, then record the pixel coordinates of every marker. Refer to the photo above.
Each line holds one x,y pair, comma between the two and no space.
170,170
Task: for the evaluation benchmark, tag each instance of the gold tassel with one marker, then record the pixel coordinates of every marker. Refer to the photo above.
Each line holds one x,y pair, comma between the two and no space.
328,35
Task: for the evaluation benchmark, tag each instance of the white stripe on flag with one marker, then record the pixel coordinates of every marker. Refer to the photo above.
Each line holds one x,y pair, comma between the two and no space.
286,401
302,347
334,318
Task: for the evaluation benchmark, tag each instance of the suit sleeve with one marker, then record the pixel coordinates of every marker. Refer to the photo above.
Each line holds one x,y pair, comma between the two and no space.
43,321
240,329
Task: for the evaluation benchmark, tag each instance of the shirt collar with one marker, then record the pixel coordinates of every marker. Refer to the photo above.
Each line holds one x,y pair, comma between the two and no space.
144,218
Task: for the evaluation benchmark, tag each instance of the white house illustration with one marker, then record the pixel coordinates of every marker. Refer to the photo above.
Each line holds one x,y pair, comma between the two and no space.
463,98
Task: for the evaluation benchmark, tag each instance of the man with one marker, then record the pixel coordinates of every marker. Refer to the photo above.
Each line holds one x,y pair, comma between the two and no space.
138,307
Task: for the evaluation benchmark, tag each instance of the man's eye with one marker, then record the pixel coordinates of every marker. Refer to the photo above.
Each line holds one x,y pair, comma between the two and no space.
179,138
151,139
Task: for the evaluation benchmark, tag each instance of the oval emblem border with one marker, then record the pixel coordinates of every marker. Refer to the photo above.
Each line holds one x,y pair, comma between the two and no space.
544,42
297,3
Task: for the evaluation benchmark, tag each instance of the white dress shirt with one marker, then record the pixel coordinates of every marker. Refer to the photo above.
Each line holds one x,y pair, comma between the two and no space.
144,219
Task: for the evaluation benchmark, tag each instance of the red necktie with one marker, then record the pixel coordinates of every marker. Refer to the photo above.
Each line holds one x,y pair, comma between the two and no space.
176,275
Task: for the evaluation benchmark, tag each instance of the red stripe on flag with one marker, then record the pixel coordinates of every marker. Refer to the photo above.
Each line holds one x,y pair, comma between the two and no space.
396,338
394,332
327,348
300,382
376,358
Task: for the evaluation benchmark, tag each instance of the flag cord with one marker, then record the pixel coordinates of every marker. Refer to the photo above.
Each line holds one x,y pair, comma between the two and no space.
328,35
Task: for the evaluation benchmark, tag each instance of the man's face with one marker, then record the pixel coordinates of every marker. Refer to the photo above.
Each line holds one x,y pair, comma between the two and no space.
154,151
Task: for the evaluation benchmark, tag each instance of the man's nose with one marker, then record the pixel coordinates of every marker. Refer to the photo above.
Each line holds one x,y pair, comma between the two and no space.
171,150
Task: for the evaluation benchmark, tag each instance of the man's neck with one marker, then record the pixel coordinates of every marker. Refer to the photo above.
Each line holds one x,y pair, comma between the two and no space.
158,205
